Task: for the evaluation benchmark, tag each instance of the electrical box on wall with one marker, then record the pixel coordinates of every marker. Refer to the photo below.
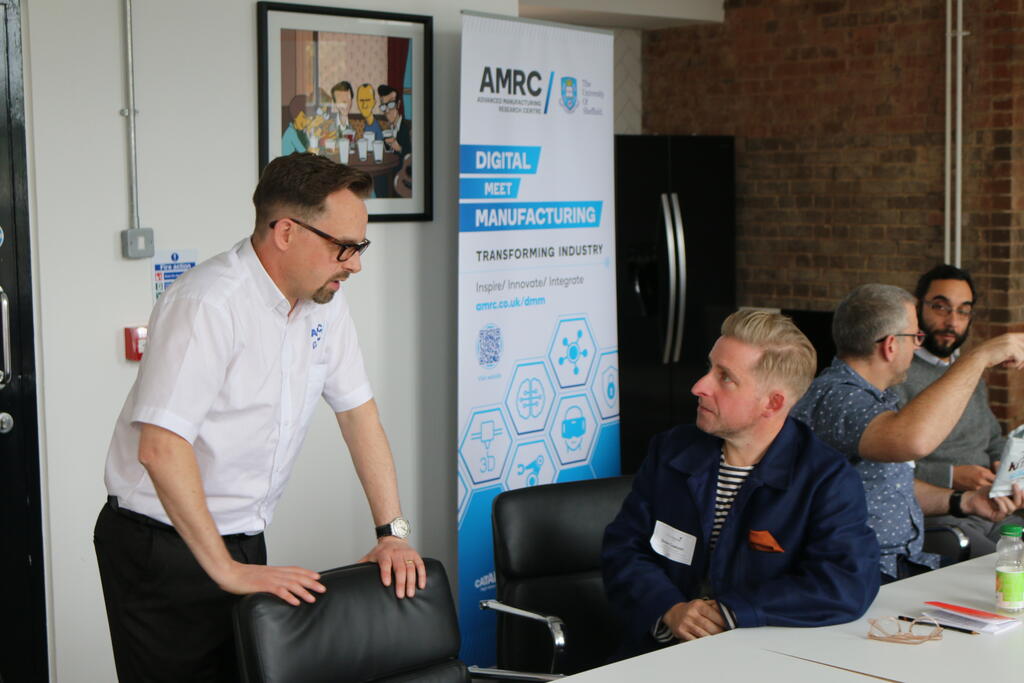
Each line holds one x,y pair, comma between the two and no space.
134,342
137,243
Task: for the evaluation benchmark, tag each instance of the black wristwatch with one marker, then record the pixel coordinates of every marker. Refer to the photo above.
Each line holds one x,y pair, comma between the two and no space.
399,527
954,504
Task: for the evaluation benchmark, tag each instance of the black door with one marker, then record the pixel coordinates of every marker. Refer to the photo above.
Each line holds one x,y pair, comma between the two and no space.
676,275
646,275
23,651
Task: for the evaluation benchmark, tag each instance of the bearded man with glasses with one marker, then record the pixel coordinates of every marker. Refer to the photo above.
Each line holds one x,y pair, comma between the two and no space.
240,352
852,407
967,459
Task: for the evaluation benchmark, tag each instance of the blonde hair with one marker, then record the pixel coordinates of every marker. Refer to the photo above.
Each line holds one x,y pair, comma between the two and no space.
787,355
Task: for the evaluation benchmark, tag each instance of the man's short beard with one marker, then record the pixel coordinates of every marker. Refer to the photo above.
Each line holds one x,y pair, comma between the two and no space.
323,295
932,346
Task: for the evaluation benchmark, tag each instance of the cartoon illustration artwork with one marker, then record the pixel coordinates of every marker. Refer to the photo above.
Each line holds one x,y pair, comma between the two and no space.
350,97
366,100
397,135
341,107
294,138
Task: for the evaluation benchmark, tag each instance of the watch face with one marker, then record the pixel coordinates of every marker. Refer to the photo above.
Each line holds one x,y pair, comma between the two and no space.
400,527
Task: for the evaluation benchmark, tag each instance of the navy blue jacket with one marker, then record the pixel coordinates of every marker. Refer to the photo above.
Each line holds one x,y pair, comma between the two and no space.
803,492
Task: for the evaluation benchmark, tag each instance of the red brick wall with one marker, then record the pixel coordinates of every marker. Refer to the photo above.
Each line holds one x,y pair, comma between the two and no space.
838,109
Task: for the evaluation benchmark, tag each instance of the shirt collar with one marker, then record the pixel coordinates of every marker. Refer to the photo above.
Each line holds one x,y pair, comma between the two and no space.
843,370
266,289
930,358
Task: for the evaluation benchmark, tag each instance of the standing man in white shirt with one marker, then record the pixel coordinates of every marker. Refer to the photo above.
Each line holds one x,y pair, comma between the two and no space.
239,353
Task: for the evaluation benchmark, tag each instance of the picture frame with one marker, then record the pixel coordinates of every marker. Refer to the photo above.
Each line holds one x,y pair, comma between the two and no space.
355,86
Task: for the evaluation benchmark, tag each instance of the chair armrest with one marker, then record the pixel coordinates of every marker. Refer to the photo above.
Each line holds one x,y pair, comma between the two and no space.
959,541
477,672
555,626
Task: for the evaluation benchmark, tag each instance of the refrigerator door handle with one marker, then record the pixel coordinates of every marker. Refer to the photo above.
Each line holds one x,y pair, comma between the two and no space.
681,295
670,248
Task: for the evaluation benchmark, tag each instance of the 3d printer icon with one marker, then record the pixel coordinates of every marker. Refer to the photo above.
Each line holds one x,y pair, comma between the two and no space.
574,426
488,431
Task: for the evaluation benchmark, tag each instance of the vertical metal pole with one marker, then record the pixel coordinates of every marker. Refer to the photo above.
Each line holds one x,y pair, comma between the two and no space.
130,113
946,236
959,130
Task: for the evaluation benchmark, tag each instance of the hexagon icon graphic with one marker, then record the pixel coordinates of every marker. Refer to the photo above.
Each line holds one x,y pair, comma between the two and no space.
572,352
529,397
463,493
605,387
485,446
532,464
574,429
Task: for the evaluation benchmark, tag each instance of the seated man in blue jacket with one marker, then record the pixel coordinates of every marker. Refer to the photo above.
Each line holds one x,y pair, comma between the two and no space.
745,519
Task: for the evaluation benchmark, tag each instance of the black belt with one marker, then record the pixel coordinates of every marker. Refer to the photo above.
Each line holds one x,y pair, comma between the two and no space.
157,524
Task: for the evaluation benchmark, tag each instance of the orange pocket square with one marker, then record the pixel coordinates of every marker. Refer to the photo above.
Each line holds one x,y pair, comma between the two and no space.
764,541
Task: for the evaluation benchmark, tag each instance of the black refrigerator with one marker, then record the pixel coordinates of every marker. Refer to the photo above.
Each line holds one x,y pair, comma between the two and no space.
676,275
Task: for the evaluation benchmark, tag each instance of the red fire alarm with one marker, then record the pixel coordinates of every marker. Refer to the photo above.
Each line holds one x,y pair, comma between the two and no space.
134,342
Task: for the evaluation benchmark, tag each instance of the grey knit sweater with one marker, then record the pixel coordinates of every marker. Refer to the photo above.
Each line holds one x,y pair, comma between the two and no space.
976,439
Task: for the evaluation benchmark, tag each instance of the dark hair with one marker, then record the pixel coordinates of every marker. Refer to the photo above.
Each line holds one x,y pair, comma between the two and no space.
299,184
943,271
341,86
383,90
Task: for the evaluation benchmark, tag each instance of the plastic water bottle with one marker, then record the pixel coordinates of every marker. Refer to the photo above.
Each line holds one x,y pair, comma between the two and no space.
1010,570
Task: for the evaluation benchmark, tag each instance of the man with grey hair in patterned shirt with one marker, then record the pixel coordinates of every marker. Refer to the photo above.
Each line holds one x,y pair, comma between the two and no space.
851,407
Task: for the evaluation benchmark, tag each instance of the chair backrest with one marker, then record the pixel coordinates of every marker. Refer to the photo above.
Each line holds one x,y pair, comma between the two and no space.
357,631
547,559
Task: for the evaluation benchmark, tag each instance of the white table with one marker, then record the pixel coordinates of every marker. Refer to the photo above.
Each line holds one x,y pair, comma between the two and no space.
843,652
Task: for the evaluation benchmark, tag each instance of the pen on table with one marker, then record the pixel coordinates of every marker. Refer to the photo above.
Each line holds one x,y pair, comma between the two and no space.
949,628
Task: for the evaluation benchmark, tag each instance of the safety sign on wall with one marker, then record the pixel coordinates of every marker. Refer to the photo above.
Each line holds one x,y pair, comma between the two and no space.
169,265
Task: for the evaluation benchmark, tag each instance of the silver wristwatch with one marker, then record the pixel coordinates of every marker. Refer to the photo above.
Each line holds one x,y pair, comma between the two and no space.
399,527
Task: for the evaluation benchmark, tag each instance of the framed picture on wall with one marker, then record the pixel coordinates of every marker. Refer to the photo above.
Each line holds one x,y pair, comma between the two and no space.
354,86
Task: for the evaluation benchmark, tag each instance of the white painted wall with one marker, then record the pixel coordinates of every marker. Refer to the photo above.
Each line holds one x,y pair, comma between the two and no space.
196,83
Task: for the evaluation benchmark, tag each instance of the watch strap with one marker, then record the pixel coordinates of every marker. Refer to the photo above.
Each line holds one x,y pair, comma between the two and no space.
955,499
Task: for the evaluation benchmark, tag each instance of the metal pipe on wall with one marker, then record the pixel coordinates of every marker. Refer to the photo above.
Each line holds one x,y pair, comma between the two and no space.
954,193
130,113
958,231
946,253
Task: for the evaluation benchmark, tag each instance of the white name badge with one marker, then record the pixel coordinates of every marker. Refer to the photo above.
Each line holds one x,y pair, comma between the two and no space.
672,543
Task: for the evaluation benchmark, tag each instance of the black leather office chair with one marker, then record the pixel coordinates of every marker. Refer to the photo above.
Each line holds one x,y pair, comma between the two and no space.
355,632
547,560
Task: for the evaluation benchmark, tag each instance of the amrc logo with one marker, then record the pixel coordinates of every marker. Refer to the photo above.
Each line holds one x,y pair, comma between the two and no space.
510,81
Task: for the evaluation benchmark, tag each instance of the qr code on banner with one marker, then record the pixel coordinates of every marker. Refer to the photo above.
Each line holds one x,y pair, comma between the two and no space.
489,346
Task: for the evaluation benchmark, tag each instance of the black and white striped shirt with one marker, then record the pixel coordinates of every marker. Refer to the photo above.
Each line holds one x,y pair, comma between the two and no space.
730,480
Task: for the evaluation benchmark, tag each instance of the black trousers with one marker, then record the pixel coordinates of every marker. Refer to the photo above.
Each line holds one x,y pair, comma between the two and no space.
168,620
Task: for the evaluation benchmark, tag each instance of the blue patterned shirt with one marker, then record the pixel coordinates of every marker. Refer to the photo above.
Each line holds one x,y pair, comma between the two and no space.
839,406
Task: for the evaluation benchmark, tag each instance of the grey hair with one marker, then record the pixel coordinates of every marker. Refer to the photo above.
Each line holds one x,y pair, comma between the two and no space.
868,313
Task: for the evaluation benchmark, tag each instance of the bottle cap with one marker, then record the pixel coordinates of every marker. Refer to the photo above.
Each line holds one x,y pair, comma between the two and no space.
1010,530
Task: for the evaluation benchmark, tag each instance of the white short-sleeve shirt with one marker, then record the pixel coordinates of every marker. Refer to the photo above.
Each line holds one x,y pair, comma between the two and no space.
230,371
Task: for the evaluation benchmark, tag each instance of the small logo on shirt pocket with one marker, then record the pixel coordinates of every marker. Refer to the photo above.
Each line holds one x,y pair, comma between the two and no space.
317,334
764,542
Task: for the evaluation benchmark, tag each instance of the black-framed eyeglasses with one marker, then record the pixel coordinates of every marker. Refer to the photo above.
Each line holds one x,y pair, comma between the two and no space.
942,307
346,250
918,337
384,106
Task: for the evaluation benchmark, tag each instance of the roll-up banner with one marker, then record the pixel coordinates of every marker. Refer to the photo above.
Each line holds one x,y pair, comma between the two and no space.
538,351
